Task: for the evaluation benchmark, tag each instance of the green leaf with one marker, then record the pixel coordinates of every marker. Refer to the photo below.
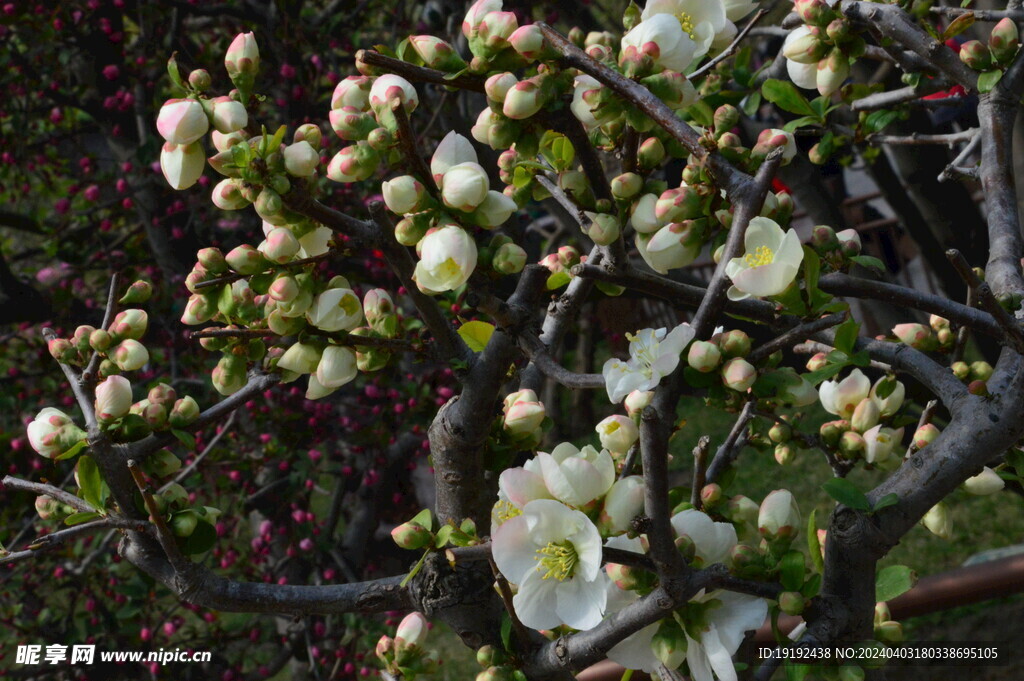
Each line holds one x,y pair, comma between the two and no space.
751,104
415,569
893,581
506,631
786,96
870,262
75,449
801,122
174,73
958,25
424,518
558,280
846,335
988,80
442,536
90,482
890,499
813,545
876,121
201,540
847,494
79,518
823,374
184,437
885,387
812,269
476,334
811,586
791,570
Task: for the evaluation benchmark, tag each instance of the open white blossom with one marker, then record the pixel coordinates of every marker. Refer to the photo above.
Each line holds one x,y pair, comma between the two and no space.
700,20
653,354
770,263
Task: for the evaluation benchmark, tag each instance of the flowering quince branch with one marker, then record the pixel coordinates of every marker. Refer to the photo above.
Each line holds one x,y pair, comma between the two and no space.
796,334
709,65
1010,327
418,74
88,376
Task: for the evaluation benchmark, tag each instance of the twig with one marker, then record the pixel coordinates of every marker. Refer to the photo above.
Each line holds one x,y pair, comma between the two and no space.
801,332
538,354
51,541
407,145
987,298
891,98
89,373
232,278
54,493
177,559
700,459
948,139
505,591
733,46
339,337
630,462
418,73
980,14
75,381
926,418
727,453
956,167
183,473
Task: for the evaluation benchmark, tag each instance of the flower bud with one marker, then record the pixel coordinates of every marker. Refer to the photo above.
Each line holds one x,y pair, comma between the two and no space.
879,443
669,644
981,370
403,194
245,260
780,432
185,411
805,46
785,453
182,121
223,142
604,228
917,336
961,370
704,356
832,72
892,403
242,60
182,164
627,185
734,343
228,195
411,536
436,53
300,358
832,431
62,350
817,361
388,87
353,163
498,85
674,205
779,517
889,632
523,414
814,12
280,246
673,88
309,133
939,521
385,649
129,355
139,292
353,91
229,376
774,138
650,154
925,435
637,401
412,630
852,445
301,159
509,259
984,483
791,602
199,309
155,416
849,242
1004,40
130,323
623,503
617,433
229,115
975,54
495,29
336,309
738,374
524,99
113,399
43,432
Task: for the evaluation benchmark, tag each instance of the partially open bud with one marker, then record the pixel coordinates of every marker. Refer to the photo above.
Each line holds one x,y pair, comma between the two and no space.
412,630
524,99
852,445
113,399
280,246
984,483
805,46
669,644
704,356
465,186
779,517
637,401
738,374
523,417
229,115
617,433
228,195
185,411
604,228
242,60
832,72
436,53
890,404
917,336
300,358
849,242
130,323
182,164
865,415
389,86
229,376
879,443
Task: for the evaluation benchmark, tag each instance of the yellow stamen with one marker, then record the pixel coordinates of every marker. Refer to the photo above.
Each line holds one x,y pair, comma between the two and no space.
762,255
504,510
559,559
686,22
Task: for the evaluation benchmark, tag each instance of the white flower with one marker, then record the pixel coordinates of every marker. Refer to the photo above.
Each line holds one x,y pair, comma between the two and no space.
700,20
842,397
624,501
737,9
735,614
47,422
576,476
668,248
315,242
554,554
652,356
464,186
891,404
182,164
580,108
453,150
337,367
713,541
644,219
663,37
771,262
336,309
447,258
985,482
495,209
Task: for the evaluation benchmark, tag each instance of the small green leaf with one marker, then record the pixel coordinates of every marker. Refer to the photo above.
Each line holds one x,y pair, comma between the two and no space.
893,581
79,518
75,449
811,586
476,334
791,570
988,80
558,280
174,73
870,262
786,96
184,437
876,121
823,374
442,536
201,540
958,25
506,631
90,482
890,499
847,494
846,336
424,518
885,387
801,122
813,545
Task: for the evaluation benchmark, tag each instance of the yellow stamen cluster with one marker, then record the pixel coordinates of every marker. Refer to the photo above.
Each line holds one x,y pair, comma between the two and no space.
559,560
505,510
762,255
686,22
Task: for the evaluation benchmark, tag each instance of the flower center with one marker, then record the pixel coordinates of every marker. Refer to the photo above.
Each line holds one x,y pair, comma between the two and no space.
449,269
642,350
349,304
686,22
505,510
762,255
558,559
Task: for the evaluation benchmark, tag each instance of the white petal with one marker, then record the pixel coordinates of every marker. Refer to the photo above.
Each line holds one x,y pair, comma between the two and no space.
521,486
803,75
513,550
713,540
719,658
551,521
738,614
580,603
535,602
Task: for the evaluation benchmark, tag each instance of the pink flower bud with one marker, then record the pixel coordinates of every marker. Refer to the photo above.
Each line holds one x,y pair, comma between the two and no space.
229,115
917,336
704,356
182,165
280,246
865,416
498,85
465,186
242,57
354,91
43,429
496,28
738,374
389,86
524,99
637,401
185,411
301,159
403,194
353,163
245,260
529,41
436,53
779,517
925,435
227,195
412,630
509,259
182,121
